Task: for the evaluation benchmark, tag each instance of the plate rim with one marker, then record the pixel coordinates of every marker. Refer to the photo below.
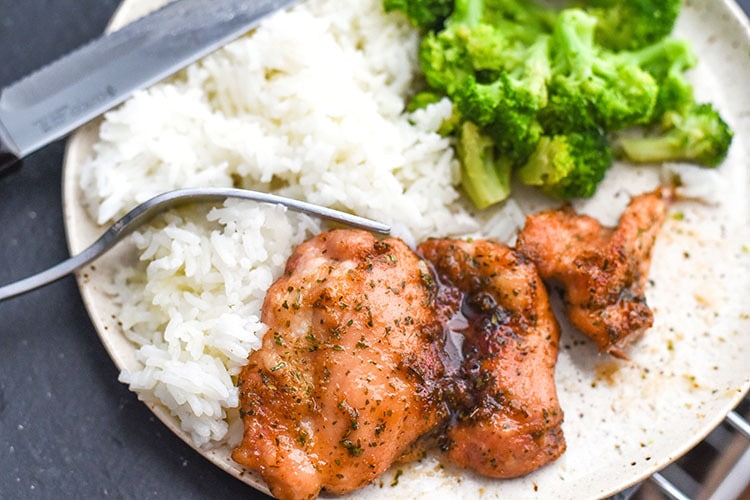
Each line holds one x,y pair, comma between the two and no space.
71,191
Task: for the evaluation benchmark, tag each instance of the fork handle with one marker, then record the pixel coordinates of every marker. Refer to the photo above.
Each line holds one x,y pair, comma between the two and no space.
8,157
148,209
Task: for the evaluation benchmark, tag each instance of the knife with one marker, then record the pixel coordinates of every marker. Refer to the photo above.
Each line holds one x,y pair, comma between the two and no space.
66,94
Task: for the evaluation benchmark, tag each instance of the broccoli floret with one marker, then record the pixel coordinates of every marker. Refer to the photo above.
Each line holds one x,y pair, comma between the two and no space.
568,166
506,113
633,24
567,110
522,87
506,108
486,47
472,44
698,135
517,16
494,80
667,61
522,19
485,177
533,69
444,60
497,85
428,14
454,53
542,91
619,93
682,130
666,56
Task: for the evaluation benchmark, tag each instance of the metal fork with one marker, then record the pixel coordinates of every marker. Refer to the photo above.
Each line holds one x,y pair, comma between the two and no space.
146,211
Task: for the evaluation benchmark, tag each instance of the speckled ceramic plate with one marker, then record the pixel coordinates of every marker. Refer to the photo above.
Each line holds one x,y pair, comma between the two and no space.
623,420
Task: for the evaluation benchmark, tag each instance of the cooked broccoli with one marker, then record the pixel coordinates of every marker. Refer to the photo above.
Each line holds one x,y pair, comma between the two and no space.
474,44
506,113
667,61
698,134
523,19
495,80
619,92
668,55
506,108
444,60
567,110
486,48
568,166
485,177
682,129
540,92
426,14
511,26
633,24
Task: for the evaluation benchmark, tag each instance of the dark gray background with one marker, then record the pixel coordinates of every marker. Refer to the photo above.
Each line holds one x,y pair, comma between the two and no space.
68,429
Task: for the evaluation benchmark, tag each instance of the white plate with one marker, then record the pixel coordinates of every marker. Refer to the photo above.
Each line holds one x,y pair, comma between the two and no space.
623,420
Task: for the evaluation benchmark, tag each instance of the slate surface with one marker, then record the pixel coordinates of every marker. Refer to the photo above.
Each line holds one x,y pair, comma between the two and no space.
68,428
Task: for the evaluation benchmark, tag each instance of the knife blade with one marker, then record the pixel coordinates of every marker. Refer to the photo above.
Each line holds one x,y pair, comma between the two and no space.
56,99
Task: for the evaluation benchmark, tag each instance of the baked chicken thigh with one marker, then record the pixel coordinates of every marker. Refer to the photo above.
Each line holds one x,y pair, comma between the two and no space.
602,271
505,417
373,351
347,378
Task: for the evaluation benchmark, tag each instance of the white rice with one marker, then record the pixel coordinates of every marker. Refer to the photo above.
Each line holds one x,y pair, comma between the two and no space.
310,106
193,306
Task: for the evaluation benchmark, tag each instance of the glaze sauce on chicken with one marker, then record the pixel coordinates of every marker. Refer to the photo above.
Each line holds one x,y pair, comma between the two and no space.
373,349
504,417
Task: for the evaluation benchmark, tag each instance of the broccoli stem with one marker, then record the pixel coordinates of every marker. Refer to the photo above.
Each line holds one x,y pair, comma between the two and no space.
466,12
698,135
484,177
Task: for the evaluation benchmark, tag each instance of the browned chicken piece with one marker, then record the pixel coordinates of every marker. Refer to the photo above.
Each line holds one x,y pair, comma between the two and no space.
506,419
346,379
602,271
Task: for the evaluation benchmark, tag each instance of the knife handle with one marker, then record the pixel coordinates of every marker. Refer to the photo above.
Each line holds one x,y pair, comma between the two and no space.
7,157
